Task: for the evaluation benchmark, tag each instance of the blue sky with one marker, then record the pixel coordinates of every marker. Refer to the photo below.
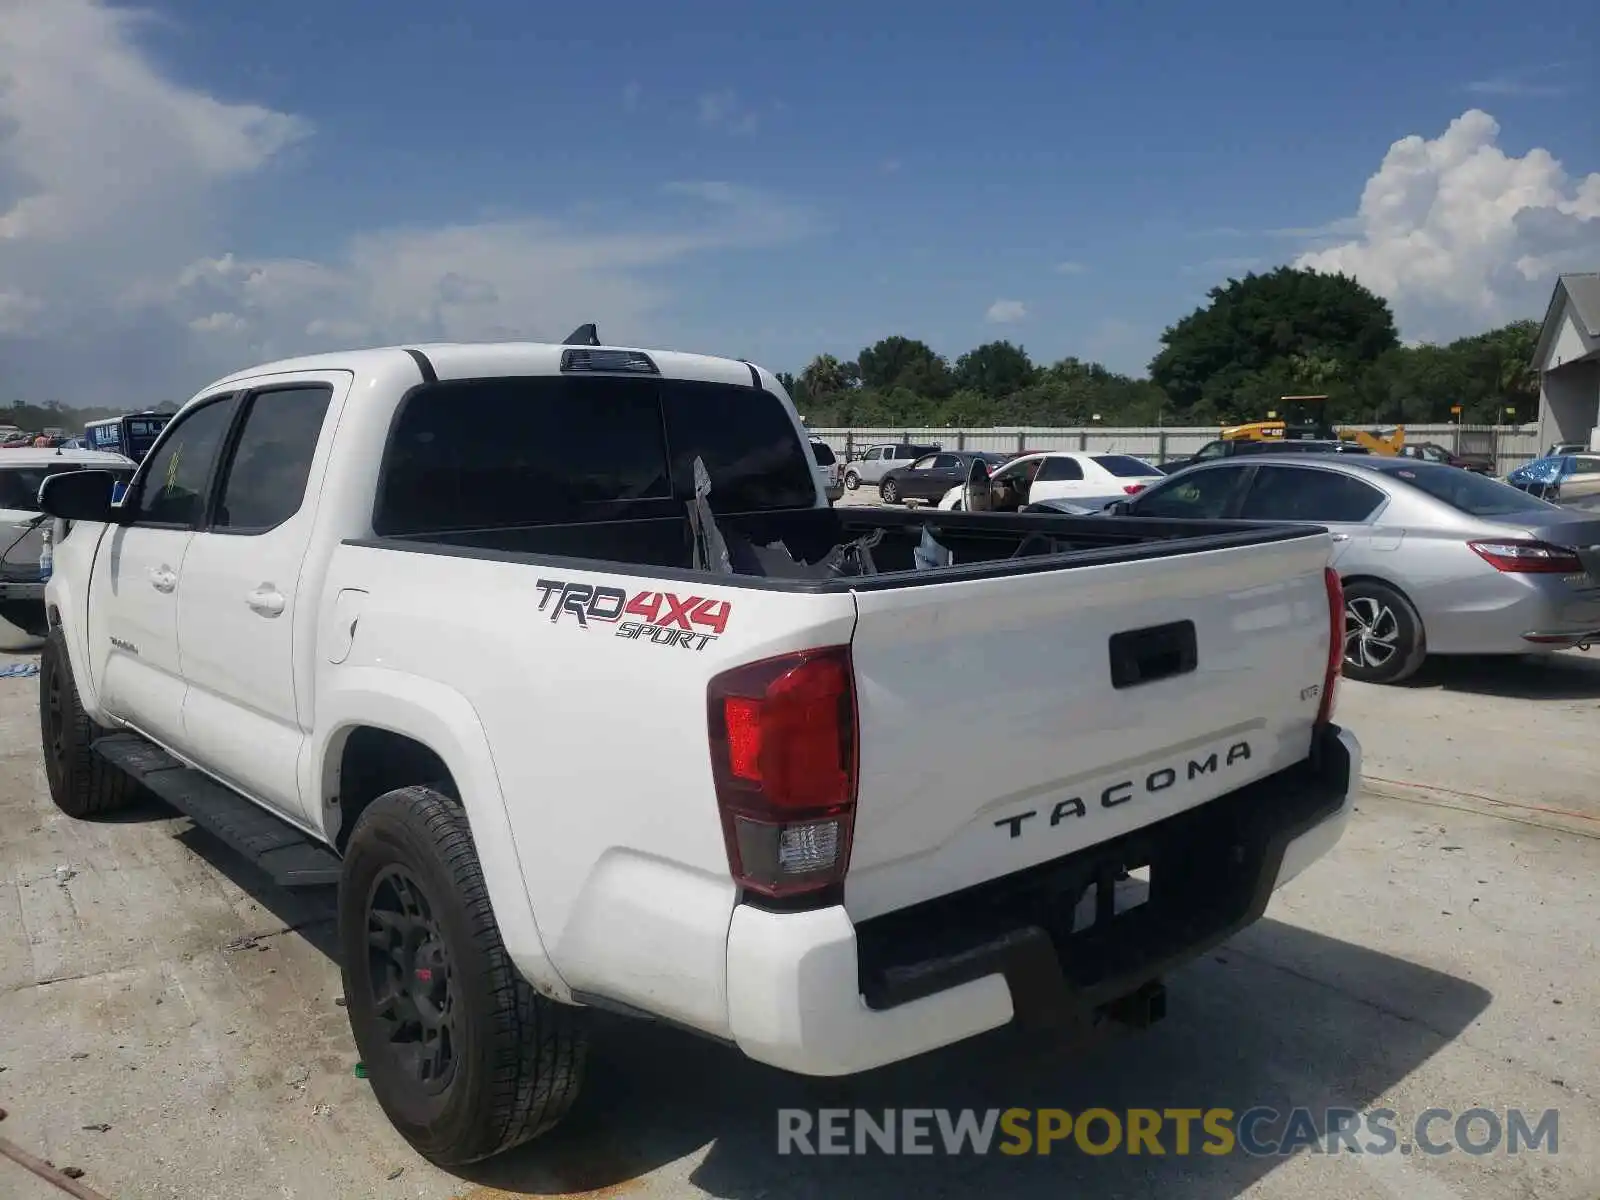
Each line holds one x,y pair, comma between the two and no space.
775,183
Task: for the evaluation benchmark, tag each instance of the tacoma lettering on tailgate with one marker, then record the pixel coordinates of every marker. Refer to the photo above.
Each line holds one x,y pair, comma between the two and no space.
1120,793
660,618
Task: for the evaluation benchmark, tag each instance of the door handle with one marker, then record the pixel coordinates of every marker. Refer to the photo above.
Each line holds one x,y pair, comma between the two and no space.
266,600
1340,537
163,578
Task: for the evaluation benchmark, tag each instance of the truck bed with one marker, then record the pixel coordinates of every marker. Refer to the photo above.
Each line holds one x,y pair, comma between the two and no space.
980,545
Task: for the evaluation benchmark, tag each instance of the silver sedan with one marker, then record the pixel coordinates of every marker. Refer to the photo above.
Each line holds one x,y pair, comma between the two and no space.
1434,559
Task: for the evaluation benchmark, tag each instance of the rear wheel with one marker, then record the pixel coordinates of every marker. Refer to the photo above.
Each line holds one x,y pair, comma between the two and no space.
465,1058
1384,641
82,784
889,493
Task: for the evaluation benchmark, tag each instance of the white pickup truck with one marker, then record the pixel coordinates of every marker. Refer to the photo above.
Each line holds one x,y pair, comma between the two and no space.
555,660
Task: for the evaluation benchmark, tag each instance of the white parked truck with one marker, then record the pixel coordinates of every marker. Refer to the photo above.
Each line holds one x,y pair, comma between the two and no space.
557,663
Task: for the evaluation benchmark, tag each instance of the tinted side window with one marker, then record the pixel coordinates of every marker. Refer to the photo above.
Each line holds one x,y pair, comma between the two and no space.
823,453
872,455
1307,494
477,454
174,481
946,461
1199,495
19,487
1060,469
266,482
752,453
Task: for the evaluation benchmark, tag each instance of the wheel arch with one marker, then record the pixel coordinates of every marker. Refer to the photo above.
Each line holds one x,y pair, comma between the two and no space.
381,729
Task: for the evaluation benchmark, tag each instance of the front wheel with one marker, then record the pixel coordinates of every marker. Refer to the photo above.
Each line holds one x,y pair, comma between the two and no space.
852,480
465,1058
82,784
889,493
1384,641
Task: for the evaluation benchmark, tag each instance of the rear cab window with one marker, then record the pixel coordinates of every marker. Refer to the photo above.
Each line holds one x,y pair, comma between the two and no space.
542,450
19,486
1125,466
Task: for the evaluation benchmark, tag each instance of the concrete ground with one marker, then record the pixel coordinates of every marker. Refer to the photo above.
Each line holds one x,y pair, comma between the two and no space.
169,1021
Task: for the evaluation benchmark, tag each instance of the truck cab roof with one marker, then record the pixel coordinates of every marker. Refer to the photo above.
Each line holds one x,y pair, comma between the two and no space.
469,360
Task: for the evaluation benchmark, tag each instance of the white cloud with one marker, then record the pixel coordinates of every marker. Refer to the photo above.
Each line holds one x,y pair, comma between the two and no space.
1457,234
118,283
1527,84
1006,312
725,111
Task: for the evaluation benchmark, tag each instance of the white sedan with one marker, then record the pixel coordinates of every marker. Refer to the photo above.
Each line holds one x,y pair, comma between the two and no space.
1065,475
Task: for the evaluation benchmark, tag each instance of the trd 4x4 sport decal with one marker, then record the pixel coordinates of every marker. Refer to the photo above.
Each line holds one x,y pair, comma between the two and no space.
658,617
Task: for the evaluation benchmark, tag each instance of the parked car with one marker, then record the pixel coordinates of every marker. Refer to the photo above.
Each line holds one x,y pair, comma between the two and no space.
833,485
1061,475
1435,560
1224,448
931,476
1562,449
22,535
453,628
1432,452
877,461
1570,479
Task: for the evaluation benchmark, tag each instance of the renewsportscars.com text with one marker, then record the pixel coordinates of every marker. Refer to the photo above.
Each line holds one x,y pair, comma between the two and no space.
1259,1131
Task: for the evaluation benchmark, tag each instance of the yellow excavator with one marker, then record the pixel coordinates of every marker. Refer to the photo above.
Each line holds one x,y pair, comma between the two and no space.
1304,417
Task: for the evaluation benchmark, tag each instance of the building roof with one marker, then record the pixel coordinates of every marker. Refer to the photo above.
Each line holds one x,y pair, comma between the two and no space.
1581,294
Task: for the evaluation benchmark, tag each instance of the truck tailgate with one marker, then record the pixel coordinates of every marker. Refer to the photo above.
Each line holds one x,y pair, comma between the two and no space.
994,736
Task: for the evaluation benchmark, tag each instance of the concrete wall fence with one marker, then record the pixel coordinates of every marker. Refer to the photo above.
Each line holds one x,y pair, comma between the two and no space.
1511,445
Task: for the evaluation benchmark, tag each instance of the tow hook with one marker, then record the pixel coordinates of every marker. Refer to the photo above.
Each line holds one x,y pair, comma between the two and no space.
1142,1008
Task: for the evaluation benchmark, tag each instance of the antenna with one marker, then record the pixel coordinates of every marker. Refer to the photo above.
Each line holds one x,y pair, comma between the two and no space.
583,335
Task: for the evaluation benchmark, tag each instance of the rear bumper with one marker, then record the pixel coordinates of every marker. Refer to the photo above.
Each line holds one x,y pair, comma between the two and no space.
814,994
1517,615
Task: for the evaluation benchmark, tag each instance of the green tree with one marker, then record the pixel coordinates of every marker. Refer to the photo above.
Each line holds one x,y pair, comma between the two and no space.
900,362
994,369
1324,326
823,379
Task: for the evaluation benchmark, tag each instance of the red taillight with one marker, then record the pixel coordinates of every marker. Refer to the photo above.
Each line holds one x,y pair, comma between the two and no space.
1335,665
783,759
1528,558
1133,489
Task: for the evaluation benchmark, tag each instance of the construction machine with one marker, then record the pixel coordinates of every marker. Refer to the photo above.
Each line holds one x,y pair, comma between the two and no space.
1305,419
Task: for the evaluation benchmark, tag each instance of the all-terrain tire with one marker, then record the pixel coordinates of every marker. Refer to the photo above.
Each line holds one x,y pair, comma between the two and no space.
82,784
518,1056
1384,638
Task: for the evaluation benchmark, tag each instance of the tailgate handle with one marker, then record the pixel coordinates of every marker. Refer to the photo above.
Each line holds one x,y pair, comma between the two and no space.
1159,652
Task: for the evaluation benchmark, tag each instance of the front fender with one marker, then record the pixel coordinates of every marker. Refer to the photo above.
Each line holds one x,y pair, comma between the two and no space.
66,604
445,721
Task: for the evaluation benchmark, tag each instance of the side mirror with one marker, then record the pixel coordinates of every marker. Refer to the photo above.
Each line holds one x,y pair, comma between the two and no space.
79,496
1117,508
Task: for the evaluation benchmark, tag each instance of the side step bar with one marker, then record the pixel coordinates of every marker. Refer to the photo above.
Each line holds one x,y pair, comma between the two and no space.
291,858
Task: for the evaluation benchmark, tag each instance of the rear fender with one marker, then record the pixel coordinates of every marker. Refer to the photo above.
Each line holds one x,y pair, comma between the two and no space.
445,721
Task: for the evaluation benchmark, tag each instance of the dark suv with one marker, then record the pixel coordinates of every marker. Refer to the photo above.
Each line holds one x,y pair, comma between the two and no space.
1212,451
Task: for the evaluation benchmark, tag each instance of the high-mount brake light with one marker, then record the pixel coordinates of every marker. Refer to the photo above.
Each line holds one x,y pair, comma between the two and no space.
783,761
1335,665
626,362
1528,557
